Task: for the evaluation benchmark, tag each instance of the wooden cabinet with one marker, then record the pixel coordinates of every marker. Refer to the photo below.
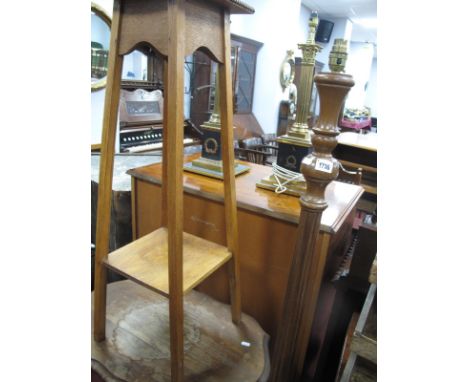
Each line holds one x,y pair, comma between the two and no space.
267,235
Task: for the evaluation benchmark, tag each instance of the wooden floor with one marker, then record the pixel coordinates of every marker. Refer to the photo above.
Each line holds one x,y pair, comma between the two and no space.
137,349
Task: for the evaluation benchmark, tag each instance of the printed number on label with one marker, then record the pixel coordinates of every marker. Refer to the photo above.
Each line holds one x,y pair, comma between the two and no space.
324,165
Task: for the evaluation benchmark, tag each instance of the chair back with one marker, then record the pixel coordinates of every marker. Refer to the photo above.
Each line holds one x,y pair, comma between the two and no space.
251,143
269,139
252,156
352,177
255,156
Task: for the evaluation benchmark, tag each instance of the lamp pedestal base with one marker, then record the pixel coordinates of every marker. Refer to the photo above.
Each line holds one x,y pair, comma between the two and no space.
292,148
210,163
213,168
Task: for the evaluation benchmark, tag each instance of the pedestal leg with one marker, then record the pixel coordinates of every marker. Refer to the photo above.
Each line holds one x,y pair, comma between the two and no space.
301,299
164,150
106,168
174,190
225,87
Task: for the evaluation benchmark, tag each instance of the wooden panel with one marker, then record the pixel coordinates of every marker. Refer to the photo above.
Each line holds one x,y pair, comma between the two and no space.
147,208
142,19
364,254
339,244
201,20
340,196
145,260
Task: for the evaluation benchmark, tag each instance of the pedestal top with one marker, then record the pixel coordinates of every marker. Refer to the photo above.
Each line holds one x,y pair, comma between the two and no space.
235,6
341,197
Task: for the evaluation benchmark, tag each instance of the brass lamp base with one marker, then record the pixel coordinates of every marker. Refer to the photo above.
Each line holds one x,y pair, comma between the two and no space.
296,188
296,139
213,168
293,147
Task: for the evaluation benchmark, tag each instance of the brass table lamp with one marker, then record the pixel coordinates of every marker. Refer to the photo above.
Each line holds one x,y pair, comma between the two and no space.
210,162
296,143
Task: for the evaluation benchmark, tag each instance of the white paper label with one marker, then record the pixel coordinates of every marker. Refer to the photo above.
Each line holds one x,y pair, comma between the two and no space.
324,165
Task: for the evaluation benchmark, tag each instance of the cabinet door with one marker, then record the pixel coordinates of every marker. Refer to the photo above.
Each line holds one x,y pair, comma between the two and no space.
245,67
245,81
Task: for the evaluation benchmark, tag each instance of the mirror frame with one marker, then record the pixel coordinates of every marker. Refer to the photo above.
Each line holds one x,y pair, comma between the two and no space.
285,82
100,12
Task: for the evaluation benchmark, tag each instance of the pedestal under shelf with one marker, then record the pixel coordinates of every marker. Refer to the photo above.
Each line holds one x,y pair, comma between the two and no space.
145,260
137,345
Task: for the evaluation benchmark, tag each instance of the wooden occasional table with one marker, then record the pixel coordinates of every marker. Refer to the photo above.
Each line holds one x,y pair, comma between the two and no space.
267,235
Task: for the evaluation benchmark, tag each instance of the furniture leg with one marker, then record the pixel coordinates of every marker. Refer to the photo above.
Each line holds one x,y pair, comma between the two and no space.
164,151
174,189
105,176
349,367
230,205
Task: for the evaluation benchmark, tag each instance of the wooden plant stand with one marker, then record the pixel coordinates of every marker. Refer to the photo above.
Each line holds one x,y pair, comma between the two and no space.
169,261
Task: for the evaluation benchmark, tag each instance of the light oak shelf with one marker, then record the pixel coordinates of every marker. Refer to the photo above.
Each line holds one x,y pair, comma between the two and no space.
145,260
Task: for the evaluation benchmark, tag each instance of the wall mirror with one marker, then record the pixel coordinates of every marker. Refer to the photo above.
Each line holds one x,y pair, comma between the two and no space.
135,66
287,70
100,41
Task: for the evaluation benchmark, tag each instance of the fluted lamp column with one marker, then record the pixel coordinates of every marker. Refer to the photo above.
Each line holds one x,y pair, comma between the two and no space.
296,143
210,162
299,131
319,168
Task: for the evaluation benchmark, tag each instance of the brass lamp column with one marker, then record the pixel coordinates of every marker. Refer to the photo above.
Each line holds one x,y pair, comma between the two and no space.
210,163
296,144
319,168
299,132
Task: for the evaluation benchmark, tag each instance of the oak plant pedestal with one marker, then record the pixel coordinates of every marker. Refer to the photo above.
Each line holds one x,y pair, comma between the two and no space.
169,261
